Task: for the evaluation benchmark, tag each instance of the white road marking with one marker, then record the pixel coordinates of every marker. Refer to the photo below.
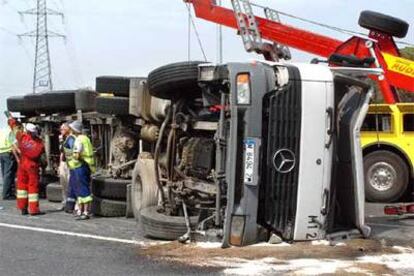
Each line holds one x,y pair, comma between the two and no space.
79,235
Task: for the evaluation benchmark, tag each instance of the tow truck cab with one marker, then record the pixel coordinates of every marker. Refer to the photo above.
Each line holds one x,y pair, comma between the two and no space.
292,152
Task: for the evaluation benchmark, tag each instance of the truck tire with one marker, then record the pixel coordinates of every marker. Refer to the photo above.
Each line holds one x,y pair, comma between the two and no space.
383,23
175,80
85,100
144,190
59,101
110,188
108,207
112,105
160,226
54,192
34,102
386,176
129,212
16,104
119,86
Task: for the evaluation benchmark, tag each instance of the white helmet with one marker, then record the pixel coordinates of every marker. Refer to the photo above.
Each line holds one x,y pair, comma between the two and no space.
32,128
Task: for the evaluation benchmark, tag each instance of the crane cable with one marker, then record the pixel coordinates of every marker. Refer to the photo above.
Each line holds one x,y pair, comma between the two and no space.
337,29
191,19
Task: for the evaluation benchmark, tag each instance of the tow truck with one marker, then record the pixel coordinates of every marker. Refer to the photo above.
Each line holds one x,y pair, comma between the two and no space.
376,50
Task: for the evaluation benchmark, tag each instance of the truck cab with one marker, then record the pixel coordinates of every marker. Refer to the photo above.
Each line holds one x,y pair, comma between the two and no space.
280,145
387,138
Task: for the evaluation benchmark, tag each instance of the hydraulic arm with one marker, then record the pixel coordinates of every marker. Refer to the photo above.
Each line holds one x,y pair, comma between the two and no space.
377,50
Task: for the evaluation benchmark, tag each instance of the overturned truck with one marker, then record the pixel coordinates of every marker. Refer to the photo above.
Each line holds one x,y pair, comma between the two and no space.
246,150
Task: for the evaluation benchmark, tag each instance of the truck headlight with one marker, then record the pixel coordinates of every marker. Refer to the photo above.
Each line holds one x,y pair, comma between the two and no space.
243,89
207,72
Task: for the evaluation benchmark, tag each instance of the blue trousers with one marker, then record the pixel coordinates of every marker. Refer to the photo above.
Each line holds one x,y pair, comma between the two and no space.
79,186
8,172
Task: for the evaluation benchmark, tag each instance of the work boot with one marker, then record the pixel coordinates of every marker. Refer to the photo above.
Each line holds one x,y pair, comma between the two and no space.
24,212
83,217
38,214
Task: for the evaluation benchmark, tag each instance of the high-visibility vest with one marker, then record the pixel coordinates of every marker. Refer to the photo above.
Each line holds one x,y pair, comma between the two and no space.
86,155
6,140
68,152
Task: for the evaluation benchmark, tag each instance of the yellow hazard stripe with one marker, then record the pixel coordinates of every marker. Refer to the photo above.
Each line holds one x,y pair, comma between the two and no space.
399,65
33,197
21,193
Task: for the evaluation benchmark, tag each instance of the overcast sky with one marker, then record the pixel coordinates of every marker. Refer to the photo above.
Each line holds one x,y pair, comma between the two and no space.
126,37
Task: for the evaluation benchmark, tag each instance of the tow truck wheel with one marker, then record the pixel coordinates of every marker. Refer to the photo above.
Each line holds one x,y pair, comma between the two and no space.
175,80
383,23
160,226
386,176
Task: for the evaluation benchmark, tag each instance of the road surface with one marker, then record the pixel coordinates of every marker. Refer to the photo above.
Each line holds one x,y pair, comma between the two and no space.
57,244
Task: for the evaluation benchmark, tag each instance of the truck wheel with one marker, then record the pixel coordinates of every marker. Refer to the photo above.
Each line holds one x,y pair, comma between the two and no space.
386,176
110,188
85,100
144,191
160,226
59,101
108,208
383,23
175,80
112,105
33,102
119,86
54,192
16,104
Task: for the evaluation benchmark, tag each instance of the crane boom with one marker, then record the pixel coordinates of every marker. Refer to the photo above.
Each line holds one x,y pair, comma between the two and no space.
398,72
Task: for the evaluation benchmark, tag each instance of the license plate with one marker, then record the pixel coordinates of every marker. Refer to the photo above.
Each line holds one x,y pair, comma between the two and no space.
249,161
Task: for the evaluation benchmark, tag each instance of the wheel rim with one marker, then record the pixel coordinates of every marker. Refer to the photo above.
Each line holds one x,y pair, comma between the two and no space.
382,176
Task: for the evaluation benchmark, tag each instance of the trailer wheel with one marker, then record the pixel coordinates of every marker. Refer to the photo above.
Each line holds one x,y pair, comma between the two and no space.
119,86
108,207
85,100
59,101
54,192
386,176
110,188
144,190
175,80
383,23
34,103
16,104
160,226
112,105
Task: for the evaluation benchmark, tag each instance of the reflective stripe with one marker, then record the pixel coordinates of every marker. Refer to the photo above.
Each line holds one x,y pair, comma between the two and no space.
70,199
21,193
33,197
83,200
86,155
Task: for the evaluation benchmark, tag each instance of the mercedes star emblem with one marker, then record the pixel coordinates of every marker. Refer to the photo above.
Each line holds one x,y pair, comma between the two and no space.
284,161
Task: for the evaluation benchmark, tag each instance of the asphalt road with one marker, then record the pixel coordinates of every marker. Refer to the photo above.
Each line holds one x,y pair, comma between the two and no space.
57,244
45,245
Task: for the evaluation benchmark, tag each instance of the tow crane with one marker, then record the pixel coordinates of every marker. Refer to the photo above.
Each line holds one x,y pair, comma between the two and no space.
377,50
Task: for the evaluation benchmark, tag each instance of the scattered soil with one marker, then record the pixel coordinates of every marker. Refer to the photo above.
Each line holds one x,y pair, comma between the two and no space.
191,253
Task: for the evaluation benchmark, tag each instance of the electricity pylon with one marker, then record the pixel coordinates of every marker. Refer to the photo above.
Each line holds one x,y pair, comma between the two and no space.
42,76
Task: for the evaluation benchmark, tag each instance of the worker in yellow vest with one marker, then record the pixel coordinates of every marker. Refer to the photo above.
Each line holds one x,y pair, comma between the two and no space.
81,165
8,162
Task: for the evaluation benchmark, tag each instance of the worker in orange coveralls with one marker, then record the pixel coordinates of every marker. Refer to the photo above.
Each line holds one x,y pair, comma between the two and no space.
30,148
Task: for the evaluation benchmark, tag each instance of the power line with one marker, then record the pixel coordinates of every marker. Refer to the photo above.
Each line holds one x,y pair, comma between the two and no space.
334,28
196,31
